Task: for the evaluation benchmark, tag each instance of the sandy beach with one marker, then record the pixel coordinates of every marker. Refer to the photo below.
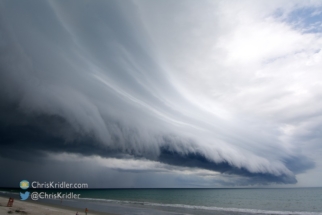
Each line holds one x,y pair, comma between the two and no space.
24,207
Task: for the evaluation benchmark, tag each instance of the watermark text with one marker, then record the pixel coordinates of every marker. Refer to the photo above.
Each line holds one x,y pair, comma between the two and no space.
61,185
58,195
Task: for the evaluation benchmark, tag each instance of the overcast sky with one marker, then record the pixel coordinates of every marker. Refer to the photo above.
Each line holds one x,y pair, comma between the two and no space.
161,93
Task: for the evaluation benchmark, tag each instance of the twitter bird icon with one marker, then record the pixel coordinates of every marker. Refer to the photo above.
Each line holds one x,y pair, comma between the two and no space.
24,196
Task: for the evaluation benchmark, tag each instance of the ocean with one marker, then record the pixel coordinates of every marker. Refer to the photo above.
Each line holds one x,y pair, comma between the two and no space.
196,201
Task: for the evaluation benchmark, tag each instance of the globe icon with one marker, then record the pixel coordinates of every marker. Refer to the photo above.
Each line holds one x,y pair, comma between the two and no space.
24,184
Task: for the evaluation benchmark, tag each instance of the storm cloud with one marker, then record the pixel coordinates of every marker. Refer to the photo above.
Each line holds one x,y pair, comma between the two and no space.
162,82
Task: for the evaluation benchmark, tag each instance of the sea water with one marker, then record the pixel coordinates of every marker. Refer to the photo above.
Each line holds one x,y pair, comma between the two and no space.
201,201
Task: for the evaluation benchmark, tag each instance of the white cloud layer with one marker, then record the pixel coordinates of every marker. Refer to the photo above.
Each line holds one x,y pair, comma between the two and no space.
233,81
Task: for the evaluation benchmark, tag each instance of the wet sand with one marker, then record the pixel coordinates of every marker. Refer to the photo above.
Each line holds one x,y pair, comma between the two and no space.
34,208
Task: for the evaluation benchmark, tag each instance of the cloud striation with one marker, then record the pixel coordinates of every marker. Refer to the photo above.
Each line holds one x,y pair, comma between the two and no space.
122,81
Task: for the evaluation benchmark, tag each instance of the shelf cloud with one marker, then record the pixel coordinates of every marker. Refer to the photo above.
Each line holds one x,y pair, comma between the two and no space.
229,90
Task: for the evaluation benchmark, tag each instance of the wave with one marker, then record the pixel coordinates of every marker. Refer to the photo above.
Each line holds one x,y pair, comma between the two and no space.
209,208
8,192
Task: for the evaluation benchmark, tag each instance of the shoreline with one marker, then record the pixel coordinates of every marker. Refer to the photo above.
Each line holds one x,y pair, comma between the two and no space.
117,207
41,208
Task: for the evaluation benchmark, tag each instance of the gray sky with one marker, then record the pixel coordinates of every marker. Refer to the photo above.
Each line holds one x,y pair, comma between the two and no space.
161,93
